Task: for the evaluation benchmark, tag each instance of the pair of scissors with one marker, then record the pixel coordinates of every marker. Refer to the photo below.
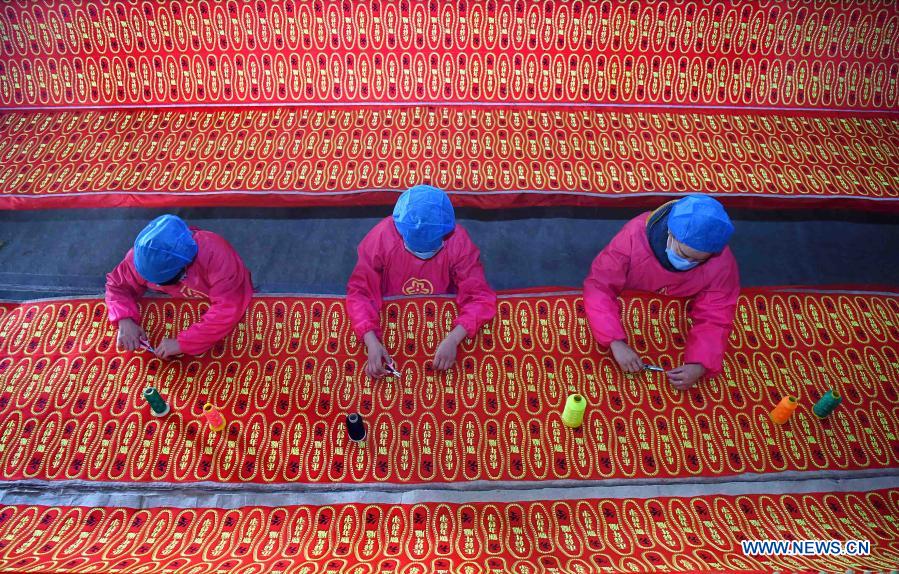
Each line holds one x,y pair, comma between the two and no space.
653,368
392,369
145,344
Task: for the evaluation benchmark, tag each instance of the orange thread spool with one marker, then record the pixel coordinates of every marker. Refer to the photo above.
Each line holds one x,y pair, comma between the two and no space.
784,409
213,417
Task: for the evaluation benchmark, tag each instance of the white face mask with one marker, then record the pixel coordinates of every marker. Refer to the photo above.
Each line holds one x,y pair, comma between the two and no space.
679,263
424,254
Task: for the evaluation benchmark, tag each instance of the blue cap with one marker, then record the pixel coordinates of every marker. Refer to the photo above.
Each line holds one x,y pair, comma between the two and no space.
163,249
424,216
700,222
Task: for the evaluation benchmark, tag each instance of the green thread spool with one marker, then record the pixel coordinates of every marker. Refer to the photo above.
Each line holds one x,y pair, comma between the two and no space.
573,415
158,406
826,404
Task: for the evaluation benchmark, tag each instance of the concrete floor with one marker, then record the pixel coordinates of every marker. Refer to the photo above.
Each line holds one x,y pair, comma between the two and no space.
67,252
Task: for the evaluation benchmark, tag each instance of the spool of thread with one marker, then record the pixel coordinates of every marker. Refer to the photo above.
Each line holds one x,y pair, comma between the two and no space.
826,404
158,406
573,415
784,409
213,417
355,427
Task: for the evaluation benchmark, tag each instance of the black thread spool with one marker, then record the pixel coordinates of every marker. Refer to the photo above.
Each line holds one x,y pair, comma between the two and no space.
355,427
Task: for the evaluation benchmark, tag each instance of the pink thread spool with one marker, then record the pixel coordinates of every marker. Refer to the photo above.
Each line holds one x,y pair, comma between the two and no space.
213,417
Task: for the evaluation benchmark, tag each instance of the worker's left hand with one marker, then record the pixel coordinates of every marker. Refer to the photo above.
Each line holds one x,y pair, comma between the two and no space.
168,348
445,355
684,377
446,350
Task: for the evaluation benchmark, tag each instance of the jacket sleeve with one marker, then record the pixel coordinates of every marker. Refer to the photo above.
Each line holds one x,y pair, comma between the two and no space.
475,298
124,288
363,290
230,293
713,318
601,288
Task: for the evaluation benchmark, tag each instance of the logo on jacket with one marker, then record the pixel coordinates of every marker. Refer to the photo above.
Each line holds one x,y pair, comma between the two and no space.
191,293
416,286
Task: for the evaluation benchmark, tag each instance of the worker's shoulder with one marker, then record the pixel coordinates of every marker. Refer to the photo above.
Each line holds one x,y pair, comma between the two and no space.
461,232
206,237
722,269
633,227
212,246
459,245
385,224
384,229
726,260
459,238
380,239
639,221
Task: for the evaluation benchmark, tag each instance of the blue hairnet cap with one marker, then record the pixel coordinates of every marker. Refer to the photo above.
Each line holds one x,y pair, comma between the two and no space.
700,222
163,249
424,216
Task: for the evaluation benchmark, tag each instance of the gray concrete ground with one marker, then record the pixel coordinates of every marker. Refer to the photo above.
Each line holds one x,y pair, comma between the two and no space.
67,252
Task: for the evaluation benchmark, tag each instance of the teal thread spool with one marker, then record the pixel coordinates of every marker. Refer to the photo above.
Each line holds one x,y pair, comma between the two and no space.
826,404
158,406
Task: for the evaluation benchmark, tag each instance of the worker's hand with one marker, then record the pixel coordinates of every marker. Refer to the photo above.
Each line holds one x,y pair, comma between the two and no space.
682,378
445,356
377,356
168,349
130,334
626,357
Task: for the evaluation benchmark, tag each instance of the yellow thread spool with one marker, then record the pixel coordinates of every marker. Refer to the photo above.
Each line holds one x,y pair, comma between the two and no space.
784,409
573,415
213,417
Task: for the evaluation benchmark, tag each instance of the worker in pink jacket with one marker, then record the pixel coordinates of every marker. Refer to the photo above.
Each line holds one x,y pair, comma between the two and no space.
418,251
681,250
182,261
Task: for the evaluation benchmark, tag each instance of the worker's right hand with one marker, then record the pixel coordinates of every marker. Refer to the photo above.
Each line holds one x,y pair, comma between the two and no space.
377,357
130,334
626,357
